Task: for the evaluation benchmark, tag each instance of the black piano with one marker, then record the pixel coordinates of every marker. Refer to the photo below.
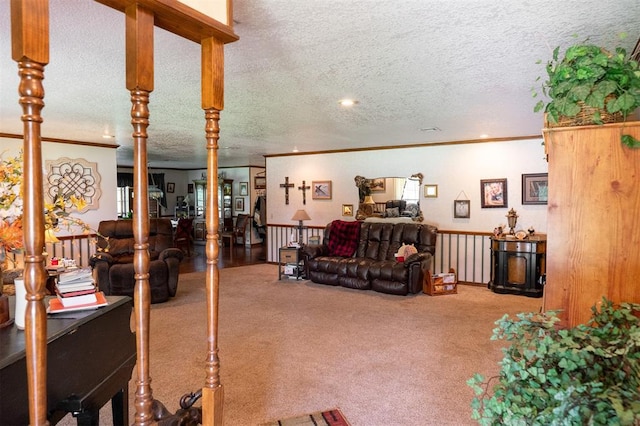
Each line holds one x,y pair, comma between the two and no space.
90,357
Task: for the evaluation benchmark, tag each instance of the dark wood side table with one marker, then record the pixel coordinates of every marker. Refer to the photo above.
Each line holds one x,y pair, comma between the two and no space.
517,266
290,257
90,357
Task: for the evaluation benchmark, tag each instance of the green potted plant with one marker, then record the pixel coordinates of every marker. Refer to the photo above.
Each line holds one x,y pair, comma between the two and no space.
590,85
589,374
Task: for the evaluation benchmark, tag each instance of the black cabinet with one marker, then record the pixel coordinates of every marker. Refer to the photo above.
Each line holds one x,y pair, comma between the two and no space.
518,266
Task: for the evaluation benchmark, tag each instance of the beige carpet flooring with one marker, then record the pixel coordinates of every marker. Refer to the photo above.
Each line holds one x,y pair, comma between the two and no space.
293,347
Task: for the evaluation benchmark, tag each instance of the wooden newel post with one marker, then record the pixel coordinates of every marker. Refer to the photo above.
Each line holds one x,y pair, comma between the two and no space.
212,103
139,59
30,48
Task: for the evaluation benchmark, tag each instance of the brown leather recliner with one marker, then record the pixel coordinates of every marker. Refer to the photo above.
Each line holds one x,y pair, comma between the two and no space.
114,268
373,265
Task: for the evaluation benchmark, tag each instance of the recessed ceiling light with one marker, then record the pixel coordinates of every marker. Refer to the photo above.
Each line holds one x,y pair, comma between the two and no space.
295,149
108,136
484,136
347,102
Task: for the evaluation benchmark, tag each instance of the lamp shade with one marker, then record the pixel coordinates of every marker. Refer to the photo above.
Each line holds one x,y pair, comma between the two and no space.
369,200
300,215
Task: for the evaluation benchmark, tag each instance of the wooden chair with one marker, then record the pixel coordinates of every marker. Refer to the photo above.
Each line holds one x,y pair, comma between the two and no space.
183,236
238,231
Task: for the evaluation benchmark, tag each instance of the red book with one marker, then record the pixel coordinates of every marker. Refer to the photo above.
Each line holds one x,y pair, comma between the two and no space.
75,293
56,306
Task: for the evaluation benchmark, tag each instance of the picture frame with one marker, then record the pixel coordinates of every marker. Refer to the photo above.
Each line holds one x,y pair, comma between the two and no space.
189,188
462,209
171,187
321,190
260,182
430,191
244,188
535,187
493,193
239,204
377,184
347,210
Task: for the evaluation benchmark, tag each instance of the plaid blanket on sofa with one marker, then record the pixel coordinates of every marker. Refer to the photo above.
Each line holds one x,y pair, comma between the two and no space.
344,238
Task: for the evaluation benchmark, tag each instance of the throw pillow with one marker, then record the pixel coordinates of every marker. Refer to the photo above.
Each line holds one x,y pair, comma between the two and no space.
392,212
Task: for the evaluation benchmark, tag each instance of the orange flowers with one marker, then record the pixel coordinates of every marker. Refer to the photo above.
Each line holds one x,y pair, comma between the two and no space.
11,235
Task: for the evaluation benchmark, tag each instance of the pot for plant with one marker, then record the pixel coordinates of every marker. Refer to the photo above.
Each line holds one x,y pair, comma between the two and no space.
588,115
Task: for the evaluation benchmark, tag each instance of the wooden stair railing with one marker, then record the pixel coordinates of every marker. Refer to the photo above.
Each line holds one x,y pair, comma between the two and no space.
30,49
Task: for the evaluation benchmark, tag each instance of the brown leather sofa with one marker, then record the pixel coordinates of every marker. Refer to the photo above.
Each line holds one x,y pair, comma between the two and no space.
373,265
114,268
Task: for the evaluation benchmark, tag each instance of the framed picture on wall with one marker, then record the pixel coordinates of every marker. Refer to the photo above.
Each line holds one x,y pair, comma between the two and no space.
493,193
190,188
462,209
377,184
239,207
244,188
347,210
171,187
534,188
321,189
430,191
260,182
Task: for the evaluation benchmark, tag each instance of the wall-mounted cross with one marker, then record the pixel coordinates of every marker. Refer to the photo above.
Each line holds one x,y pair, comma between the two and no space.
304,188
286,185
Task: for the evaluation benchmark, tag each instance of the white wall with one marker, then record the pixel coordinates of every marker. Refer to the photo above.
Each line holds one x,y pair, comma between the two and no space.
456,169
106,161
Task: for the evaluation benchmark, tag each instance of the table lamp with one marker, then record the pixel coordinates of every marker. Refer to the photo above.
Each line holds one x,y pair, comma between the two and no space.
368,205
300,215
512,218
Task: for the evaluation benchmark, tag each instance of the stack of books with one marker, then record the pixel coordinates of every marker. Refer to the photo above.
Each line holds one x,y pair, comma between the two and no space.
76,290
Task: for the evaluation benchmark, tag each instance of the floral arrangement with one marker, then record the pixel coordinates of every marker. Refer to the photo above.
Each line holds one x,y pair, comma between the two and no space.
11,204
11,207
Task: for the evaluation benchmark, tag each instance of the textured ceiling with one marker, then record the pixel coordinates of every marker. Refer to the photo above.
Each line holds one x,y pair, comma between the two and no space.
465,67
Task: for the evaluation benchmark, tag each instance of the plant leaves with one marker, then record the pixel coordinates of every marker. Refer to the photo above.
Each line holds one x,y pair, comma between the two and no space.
605,87
579,93
567,108
539,106
626,102
630,141
595,99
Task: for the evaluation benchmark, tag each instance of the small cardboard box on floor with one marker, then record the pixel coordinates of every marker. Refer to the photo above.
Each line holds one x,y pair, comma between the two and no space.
439,284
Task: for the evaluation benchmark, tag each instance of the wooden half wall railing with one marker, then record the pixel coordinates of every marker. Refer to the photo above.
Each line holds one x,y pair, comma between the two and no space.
468,252
77,247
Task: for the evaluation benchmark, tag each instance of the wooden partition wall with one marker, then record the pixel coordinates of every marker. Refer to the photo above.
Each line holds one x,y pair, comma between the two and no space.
30,49
593,224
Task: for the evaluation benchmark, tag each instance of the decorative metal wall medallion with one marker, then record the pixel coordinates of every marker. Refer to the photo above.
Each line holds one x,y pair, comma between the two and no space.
73,176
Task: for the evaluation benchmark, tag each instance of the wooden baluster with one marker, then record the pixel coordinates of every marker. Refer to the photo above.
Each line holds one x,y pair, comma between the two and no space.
30,49
212,103
139,40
